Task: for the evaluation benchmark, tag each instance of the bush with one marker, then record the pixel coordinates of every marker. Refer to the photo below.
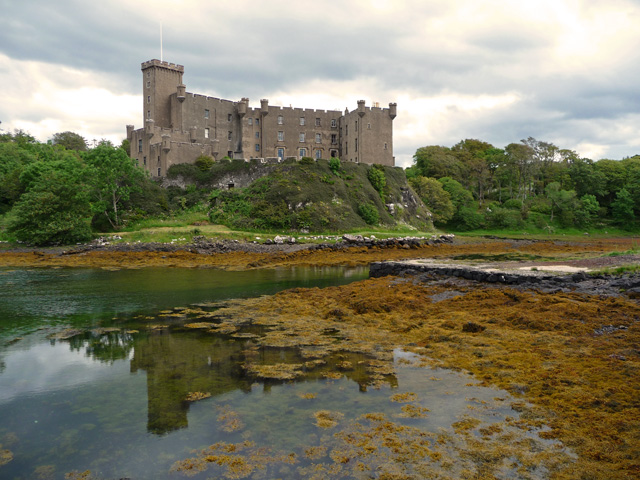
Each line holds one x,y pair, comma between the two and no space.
468,218
204,162
307,161
369,213
334,165
377,179
513,204
504,218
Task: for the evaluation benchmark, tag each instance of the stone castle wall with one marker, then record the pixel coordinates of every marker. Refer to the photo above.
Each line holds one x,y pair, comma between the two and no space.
180,126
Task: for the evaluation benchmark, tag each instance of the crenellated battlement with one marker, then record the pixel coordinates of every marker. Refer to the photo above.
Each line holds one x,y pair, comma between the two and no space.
159,63
179,126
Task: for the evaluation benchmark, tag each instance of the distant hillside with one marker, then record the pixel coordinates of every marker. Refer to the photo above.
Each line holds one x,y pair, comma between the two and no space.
305,196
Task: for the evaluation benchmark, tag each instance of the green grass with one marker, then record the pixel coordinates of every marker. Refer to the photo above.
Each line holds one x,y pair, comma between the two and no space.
635,268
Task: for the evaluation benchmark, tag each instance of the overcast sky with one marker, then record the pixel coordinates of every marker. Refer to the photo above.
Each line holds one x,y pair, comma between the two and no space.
561,71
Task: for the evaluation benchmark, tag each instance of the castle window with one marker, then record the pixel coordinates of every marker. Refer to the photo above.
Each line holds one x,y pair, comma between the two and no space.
230,154
257,134
229,117
346,130
229,135
317,122
281,136
346,148
334,123
302,121
257,121
148,84
206,114
280,120
318,154
148,113
140,146
250,121
159,171
334,154
302,137
334,139
385,145
368,126
148,98
206,133
356,144
144,161
257,147
281,153
303,152
318,138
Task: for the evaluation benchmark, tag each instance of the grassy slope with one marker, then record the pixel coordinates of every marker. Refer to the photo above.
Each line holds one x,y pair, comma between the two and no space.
311,197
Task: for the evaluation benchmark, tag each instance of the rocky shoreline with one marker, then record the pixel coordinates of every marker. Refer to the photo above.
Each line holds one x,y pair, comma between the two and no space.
280,244
580,282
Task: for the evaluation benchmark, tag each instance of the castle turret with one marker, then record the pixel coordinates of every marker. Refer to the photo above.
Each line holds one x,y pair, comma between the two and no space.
148,127
182,88
242,107
166,142
393,110
264,107
160,81
361,109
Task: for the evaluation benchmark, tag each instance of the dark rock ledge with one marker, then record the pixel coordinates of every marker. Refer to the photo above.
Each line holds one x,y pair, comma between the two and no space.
581,282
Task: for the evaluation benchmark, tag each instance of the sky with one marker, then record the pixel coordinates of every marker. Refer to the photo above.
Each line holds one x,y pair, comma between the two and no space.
561,71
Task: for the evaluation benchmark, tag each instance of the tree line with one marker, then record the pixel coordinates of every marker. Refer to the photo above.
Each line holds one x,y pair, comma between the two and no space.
474,185
59,192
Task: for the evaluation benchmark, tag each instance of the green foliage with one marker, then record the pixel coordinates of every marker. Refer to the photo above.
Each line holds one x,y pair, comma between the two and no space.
55,210
369,213
467,218
378,180
335,166
460,197
504,218
70,141
622,208
204,162
112,176
435,197
307,161
513,204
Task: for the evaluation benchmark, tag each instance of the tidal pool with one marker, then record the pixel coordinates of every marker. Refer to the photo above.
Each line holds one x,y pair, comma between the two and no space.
110,372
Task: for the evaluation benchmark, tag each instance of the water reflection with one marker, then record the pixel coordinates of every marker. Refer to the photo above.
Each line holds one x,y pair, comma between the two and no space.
180,362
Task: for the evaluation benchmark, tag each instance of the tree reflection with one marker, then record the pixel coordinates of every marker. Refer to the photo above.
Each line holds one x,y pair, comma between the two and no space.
178,363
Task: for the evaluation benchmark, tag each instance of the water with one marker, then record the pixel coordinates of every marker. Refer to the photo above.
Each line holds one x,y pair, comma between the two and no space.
112,398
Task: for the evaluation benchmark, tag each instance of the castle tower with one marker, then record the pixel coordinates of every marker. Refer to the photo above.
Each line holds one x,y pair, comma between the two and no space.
160,81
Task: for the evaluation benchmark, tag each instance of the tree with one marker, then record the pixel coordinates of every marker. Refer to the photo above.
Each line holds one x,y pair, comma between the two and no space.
520,158
55,209
70,141
587,210
436,198
563,202
114,176
437,162
622,208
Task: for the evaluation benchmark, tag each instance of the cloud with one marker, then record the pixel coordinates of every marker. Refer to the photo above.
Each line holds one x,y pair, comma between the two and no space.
498,70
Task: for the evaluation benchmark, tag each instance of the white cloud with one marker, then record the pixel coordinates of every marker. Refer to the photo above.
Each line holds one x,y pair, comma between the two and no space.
500,70
44,99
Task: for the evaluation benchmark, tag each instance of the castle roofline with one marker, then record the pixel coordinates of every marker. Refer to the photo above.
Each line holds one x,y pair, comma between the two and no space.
159,63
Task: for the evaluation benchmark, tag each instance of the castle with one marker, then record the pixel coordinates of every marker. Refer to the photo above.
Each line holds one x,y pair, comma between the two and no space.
180,126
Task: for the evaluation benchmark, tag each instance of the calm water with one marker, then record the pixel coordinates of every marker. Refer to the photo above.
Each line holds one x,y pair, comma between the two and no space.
114,401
